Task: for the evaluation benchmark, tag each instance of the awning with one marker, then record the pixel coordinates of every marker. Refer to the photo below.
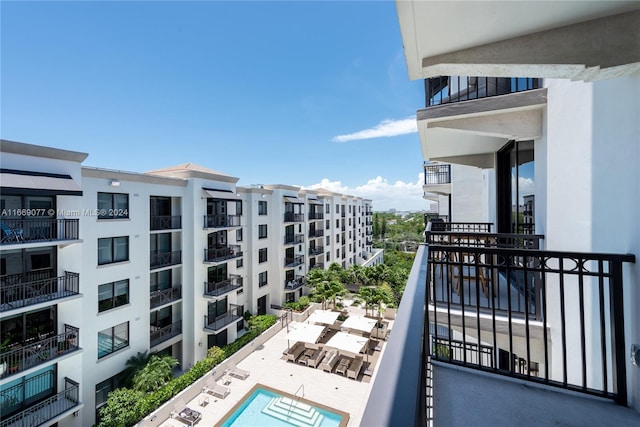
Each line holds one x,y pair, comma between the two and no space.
359,323
38,184
347,342
315,202
219,194
326,317
295,200
304,332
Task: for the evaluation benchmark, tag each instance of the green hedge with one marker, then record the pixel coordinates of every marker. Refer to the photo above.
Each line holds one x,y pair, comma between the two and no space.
126,407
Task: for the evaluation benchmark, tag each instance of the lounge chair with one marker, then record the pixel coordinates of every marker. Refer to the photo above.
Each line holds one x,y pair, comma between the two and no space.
354,369
238,373
315,359
330,360
295,351
216,389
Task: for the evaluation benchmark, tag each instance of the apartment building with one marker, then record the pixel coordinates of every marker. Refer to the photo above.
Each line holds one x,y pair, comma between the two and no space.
99,265
543,99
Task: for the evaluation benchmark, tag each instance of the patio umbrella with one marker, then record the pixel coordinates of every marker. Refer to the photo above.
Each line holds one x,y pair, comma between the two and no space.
359,323
305,332
326,317
348,342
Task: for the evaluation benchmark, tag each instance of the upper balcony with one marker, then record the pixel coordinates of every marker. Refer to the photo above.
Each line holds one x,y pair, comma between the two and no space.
165,222
437,178
165,296
218,323
35,230
222,221
30,353
35,287
222,254
294,262
159,335
293,239
46,411
164,259
316,250
318,232
549,320
316,215
296,283
293,217
216,289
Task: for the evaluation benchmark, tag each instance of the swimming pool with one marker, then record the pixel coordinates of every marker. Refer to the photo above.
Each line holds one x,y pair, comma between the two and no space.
267,407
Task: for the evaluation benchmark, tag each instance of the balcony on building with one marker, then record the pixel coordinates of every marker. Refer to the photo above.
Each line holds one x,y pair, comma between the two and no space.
293,239
34,400
369,232
316,216
29,288
158,335
222,221
221,254
231,283
164,259
294,261
493,303
437,179
319,265
316,232
294,283
37,347
368,241
219,322
316,250
293,217
165,296
165,222
17,231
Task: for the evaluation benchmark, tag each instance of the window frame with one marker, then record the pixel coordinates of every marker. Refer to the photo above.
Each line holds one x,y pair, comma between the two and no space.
113,240
114,297
112,210
111,333
262,255
262,282
262,207
262,227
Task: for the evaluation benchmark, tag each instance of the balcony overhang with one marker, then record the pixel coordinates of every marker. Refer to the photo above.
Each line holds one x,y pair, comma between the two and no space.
471,132
580,40
435,190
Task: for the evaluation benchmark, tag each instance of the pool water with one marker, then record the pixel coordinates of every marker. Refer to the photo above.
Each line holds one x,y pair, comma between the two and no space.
249,413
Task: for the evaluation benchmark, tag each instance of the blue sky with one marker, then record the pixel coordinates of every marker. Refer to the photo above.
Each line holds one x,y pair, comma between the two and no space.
303,93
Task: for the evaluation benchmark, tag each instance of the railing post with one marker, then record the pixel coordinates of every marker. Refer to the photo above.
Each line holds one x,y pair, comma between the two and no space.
616,307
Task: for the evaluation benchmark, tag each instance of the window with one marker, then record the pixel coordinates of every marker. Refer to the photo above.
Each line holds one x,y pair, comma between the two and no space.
337,238
327,208
328,226
349,208
328,240
328,256
262,255
113,249
262,231
113,339
337,208
103,388
262,207
338,253
337,223
113,205
262,279
239,235
238,207
239,263
112,295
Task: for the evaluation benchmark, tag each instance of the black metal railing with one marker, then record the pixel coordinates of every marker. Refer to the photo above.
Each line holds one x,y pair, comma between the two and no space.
165,296
368,221
447,89
21,290
164,259
222,254
293,217
368,242
490,287
316,250
368,232
43,411
317,265
219,322
450,349
296,283
221,221
316,215
233,282
318,232
439,224
160,335
294,262
27,230
165,222
41,351
293,239
437,174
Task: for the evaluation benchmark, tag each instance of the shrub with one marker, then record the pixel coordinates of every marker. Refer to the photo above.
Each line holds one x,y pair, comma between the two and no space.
300,305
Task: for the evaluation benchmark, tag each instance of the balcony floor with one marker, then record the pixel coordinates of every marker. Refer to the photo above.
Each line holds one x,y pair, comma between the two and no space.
462,397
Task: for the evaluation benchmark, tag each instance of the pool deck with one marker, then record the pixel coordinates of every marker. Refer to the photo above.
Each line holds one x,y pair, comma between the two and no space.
268,366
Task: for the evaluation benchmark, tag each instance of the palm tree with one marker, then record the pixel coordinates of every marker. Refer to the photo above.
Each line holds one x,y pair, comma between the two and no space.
155,374
135,364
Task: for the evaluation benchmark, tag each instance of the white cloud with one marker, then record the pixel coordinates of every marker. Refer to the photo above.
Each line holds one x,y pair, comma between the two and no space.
382,129
385,195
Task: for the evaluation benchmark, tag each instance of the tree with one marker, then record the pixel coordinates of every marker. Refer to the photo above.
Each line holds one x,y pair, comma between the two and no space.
123,408
156,373
376,226
383,228
135,364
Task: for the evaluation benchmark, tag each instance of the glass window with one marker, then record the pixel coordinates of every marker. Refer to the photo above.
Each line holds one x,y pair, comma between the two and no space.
113,249
239,207
262,231
328,240
113,339
262,279
262,207
262,255
113,205
328,256
328,224
239,263
239,235
327,208
112,295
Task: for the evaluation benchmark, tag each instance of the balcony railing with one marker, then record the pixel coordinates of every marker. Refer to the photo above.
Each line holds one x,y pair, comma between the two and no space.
368,232
293,239
216,289
21,290
28,355
318,232
446,89
222,254
31,230
293,217
166,222
317,250
316,215
160,335
221,221
317,265
368,222
294,284
439,224
294,262
45,410
437,174
165,296
219,322
368,242
165,259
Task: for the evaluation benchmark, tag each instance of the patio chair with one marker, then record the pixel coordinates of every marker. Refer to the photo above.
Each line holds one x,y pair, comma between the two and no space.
238,373
212,387
330,360
10,234
354,368
316,358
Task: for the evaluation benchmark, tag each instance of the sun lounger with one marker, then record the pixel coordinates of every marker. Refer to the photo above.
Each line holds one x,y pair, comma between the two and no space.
238,373
295,351
216,389
315,359
343,365
354,369
330,360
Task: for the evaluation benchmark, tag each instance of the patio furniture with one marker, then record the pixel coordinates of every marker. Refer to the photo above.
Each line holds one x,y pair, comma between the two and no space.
295,351
316,358
212,387
239,373
330,360
9,234
343,365
304,357
354,368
